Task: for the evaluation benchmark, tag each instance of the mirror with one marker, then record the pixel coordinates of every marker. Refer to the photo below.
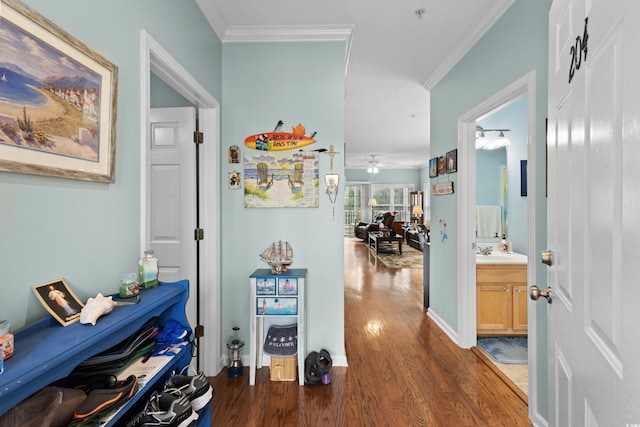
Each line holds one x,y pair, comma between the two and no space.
491,194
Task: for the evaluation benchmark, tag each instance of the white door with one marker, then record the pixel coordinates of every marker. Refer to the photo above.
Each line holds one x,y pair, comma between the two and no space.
594,213
172,197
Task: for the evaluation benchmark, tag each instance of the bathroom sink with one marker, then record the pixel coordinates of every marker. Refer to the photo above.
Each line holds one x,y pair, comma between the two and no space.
501,258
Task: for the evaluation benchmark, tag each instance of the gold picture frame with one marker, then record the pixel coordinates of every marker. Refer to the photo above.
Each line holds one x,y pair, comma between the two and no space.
58,115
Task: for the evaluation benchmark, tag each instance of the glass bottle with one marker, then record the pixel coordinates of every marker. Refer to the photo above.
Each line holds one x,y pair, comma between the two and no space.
148,270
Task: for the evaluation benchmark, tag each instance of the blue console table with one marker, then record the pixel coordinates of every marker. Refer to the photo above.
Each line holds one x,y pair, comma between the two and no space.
46,352
276,295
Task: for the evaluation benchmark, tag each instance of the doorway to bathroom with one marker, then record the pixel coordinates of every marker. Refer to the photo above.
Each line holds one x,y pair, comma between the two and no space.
522,90
502,241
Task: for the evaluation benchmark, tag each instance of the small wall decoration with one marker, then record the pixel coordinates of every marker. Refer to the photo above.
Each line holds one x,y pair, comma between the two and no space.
58,115
523,178
442,188
443,229
234,154
234,180
442,165
331,154
433,167
277,174
331,182
278,141
59,301
452,161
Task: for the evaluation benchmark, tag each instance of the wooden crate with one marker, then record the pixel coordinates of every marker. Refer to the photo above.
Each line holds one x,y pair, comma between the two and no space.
283,368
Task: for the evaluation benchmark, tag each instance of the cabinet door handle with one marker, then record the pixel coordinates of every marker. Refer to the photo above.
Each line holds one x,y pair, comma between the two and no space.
506,289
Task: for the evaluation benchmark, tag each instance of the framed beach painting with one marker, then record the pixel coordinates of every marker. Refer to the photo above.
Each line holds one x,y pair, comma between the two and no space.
280,179
57,100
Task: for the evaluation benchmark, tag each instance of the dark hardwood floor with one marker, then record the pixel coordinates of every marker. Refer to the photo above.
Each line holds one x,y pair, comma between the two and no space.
403,370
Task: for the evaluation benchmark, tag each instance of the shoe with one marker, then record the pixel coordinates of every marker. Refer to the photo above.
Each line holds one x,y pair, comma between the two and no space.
312,374
195,387
50,406
101,400
324,363
169,408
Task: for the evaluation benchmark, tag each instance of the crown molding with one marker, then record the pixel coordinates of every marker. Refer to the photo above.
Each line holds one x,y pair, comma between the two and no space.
286,33
213,16
457,54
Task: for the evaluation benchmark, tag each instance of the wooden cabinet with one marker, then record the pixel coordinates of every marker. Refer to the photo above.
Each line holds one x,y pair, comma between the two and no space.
501,298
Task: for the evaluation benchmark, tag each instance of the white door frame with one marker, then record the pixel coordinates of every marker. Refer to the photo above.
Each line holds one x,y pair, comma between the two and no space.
154,58
467,336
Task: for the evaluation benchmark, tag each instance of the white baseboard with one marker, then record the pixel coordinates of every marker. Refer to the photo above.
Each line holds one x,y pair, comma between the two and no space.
451,333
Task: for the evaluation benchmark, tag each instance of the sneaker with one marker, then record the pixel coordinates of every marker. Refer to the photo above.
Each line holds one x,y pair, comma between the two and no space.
195,387
102,399
169,408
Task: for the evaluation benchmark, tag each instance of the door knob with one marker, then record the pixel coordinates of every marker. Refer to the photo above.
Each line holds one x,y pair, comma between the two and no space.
535,293
546,257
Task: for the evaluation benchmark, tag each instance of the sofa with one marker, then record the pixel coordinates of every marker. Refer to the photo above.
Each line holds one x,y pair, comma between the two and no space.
362,229
412,235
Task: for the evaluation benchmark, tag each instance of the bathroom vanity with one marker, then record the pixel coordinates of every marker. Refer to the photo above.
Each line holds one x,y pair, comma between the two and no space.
501,294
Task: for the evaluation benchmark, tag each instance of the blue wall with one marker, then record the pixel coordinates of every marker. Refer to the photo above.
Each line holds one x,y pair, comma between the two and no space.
85,232
514,117
296,83
513,47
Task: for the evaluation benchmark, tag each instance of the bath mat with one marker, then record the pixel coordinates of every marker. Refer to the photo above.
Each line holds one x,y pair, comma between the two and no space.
508,350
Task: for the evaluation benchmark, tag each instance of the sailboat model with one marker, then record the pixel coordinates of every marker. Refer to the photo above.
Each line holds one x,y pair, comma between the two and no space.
4,77
278,256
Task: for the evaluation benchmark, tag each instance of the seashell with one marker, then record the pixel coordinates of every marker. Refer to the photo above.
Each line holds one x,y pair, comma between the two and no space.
96,307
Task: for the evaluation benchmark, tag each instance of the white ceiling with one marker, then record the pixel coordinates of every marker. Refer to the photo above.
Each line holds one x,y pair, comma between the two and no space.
393,57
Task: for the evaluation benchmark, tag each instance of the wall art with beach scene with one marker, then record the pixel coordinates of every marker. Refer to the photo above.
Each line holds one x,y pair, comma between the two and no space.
280,179
57,100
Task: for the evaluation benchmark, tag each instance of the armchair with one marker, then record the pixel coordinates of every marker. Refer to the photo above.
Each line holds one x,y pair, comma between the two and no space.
414,236
362,229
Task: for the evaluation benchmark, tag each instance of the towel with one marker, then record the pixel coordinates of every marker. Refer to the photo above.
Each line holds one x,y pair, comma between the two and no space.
488,221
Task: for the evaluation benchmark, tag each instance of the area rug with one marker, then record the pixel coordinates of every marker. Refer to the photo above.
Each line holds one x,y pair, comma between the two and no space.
508,350
410,258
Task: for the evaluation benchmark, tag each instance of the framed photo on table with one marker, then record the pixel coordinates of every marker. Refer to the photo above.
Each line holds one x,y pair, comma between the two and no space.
58,115
59,300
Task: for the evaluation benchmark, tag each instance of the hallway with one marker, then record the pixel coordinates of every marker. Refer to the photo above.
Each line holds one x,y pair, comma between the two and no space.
403,370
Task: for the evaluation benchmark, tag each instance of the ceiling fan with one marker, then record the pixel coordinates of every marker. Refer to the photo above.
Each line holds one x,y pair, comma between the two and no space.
372,164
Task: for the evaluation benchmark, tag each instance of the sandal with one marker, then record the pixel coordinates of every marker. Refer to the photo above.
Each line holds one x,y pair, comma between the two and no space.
324,361
311,372
324,364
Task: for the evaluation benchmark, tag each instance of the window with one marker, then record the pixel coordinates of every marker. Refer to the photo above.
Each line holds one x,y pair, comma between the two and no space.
352,208
393,197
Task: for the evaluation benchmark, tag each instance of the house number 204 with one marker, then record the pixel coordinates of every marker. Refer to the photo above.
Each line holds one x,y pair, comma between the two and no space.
579,51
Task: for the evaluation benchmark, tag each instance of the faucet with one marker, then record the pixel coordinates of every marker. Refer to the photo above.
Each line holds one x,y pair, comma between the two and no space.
486,251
